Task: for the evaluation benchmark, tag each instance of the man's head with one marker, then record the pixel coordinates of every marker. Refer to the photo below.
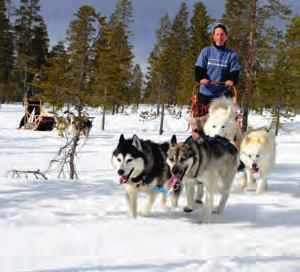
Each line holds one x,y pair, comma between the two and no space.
220,34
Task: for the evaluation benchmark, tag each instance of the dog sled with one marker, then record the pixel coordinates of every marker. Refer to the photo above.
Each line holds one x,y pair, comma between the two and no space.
194,112
35,117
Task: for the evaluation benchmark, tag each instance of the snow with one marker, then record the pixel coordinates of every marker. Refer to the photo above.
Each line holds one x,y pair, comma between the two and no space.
82,225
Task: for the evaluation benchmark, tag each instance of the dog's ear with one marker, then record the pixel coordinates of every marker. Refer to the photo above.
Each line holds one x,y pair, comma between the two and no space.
173,140
136,142
229,111
247,140
262,140
121,139
211,109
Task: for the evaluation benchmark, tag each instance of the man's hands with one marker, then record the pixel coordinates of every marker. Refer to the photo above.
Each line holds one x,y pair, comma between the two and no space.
204,81
229,83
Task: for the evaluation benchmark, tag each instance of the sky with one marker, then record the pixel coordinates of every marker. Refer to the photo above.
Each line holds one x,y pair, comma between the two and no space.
147,13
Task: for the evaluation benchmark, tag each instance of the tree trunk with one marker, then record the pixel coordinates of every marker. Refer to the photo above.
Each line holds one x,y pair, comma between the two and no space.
72,157
158,104
162,119
103,117
277,121
249,67
104,108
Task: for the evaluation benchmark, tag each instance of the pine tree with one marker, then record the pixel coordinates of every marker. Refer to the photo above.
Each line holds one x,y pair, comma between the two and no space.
31,39
292,47
102,77
6,53
57,49
123,14
153,91
175,51
278,83
136,85
252,36
198,39
40,44
122,51
55,81
82,35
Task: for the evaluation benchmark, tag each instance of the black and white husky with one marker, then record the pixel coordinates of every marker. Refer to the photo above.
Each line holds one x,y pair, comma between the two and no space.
214,162
141,166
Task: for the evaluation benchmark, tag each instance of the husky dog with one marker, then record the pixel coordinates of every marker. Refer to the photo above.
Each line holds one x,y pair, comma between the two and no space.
61,124
221,120
257,152
209,161
141,166
81,124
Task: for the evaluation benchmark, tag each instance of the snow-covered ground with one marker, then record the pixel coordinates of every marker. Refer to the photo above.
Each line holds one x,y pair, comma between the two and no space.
82,225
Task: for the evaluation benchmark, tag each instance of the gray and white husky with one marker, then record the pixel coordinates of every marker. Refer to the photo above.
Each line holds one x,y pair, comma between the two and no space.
211,162
141,166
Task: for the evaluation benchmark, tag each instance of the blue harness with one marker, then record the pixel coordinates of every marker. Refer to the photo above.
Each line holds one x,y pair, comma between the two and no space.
158,189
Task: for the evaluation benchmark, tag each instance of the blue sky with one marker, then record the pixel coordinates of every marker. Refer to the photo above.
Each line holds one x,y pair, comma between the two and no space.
147,13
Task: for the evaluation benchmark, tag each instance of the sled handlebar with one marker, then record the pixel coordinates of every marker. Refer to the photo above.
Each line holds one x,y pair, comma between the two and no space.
233,88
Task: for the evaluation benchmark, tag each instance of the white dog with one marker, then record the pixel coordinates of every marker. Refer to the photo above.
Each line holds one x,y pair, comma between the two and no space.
257,152
222,120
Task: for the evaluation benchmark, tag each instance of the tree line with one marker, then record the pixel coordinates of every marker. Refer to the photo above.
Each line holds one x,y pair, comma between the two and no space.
95,65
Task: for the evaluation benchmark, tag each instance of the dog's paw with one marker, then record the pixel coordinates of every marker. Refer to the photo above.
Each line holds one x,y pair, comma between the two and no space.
216,211
260,190
261,187
199,201
187,209
132,216
241,185
203,221
144,213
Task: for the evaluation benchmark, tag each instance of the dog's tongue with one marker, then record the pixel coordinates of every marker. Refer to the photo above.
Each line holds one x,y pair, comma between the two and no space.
255,170
123,179
173,180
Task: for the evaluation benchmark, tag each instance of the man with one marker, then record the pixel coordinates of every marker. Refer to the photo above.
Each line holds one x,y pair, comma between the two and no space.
216,63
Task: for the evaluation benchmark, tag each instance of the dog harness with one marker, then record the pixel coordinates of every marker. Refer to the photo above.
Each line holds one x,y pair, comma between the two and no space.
223,141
